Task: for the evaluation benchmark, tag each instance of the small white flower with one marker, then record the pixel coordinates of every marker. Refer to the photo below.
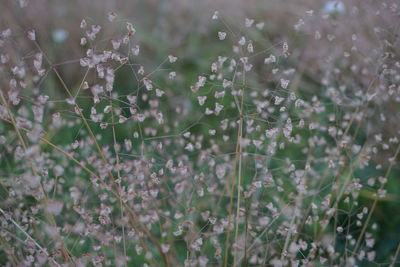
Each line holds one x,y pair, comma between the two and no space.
165,248
122,119
250,48
202,100
226,83
141,117
83,24
83,41
219,94
242,41
148,83
215,15
270,59
218,108
130,28
189,147
214,67
221,35
107,109
284,83
172,58
135,50
208,111
116,44
249,22
278,100
172,75
201,82
260,25
159,92
111,16
70,101
31,35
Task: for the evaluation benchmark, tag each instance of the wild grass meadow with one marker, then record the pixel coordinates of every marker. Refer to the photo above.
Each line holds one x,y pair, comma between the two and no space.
199,133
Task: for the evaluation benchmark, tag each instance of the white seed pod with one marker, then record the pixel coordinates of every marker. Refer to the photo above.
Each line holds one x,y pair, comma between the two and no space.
111,16
31,35
172,59
201,100
215,15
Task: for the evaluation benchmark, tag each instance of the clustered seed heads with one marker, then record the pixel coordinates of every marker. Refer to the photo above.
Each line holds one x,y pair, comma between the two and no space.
269,157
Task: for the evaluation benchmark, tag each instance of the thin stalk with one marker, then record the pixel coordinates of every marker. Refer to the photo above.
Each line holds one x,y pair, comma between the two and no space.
239,183
396,255
119,179
238,165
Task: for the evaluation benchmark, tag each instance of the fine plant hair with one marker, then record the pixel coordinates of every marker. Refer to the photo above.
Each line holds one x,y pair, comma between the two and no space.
275,148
